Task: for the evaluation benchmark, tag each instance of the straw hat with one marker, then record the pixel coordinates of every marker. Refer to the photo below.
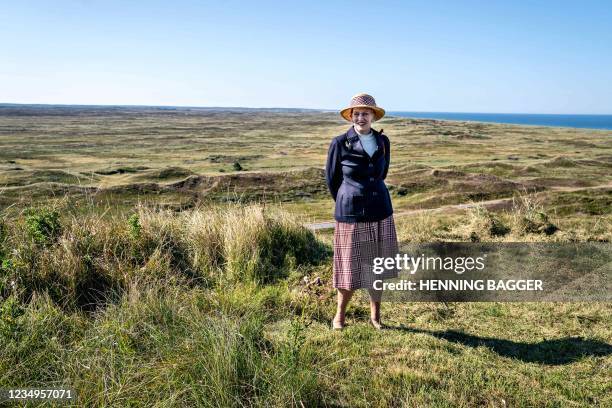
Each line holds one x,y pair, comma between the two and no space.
362,100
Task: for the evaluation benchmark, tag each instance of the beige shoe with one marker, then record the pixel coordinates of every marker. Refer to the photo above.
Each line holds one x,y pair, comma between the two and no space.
337,325
376,325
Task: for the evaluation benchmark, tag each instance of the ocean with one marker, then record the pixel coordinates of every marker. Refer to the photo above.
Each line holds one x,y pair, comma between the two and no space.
573,121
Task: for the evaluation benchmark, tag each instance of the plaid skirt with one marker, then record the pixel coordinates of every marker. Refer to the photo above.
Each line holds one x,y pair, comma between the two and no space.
355,247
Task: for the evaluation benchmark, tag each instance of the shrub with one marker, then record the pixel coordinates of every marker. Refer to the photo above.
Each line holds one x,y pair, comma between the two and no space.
529,217
43,225
135,227
483,223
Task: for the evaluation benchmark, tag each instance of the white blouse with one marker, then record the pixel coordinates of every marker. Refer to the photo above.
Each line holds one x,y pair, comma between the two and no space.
368,141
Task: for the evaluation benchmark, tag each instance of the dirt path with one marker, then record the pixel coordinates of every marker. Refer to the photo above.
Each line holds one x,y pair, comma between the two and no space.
496,204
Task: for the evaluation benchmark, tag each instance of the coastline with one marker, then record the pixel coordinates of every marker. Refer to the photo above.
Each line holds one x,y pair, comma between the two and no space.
471,117
461,117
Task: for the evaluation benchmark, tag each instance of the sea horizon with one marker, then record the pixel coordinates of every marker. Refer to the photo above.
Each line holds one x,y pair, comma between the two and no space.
577,120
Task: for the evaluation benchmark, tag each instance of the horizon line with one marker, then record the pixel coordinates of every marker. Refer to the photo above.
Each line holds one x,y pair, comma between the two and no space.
389,111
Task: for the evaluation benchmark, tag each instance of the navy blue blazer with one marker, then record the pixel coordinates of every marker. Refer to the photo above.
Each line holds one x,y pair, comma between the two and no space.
355,180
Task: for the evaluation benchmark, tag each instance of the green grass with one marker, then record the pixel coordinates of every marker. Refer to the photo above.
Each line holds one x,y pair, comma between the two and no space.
131,154
140,267
188,317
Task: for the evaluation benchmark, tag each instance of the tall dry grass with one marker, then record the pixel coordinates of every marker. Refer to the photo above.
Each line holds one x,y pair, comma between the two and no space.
154,306
94,257
178,315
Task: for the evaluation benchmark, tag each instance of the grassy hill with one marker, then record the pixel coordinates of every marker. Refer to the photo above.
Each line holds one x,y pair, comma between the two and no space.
208,307
181,157
140,267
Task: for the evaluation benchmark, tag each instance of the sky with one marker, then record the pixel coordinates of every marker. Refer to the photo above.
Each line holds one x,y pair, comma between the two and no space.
441,56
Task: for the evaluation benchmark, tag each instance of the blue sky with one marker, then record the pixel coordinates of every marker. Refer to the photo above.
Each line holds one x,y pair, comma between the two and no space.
456,56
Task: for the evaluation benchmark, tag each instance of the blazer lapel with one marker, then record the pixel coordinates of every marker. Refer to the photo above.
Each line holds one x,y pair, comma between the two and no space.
354,140
379,143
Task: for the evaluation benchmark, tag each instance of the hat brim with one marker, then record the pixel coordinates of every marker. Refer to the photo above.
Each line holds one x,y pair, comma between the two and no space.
378,112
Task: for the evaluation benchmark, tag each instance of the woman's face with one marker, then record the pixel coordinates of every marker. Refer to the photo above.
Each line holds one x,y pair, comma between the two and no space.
362,119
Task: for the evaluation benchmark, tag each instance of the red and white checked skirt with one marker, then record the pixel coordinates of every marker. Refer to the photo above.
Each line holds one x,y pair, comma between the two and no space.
355,247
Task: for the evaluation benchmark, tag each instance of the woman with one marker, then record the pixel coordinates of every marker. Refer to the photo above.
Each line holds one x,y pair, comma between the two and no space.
357,164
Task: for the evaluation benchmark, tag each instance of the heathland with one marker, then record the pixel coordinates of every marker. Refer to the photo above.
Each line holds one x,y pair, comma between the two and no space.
162,255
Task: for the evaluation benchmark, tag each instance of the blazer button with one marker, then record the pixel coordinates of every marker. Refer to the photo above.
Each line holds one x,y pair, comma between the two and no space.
371,178
371,165
375,193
